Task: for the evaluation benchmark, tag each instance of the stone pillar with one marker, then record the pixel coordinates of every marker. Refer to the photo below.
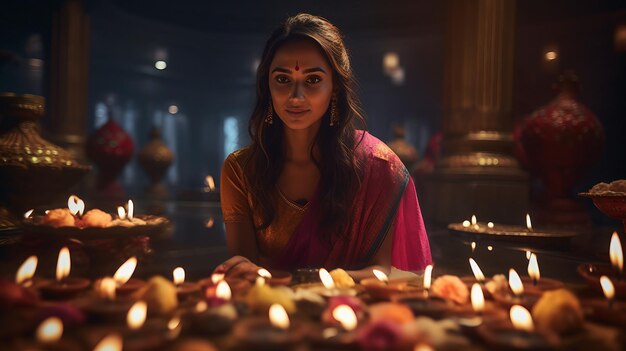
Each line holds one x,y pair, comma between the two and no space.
69,70
478,173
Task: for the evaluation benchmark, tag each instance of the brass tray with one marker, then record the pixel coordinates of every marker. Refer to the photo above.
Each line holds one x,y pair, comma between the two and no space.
514,233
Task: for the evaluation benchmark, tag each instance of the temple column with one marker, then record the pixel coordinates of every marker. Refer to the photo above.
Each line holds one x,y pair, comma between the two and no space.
477,173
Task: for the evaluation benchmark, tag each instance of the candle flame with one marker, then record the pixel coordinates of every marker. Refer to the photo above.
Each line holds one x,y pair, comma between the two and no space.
521,319
473,245
478,299
50,330
217,277
131,209
64,264
27,270
529,224
136,316
76,205
380,275
201,306
528,253
428,272
279,317
173,323
515,282
126,270
28,213
112,342
107,288
490,248
264,273
121,212
466,224
616,253
327,280
533,267
607,287
223,291
209,182
260,281
490,224
210,222
345,315
474,220
476,270
179,275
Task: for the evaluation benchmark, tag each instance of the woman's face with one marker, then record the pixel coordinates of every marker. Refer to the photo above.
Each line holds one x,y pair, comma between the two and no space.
301,84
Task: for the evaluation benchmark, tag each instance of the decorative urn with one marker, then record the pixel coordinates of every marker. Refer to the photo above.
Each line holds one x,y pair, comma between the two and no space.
155,158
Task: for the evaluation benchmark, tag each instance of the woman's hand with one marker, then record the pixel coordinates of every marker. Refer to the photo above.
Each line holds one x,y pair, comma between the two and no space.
237,267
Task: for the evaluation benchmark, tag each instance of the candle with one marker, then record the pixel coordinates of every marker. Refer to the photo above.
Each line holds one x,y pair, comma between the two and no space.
538,286
616,253
329,288
184,290
478,273
26,272
428,271
141,335
76,205
592,272
106,306
275,277
529,224
477,298
607,311
381,288
337,338
48,336
279,334
111,342
64,287
126,285
216,315
519,296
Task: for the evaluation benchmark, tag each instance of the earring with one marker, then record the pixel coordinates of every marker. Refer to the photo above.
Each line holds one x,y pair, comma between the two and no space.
269,117
334,118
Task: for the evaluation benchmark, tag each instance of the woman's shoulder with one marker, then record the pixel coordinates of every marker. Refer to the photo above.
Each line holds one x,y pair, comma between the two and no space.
371,146
238,157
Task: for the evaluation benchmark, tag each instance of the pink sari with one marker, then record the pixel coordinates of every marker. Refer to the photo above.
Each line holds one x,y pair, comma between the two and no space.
387,196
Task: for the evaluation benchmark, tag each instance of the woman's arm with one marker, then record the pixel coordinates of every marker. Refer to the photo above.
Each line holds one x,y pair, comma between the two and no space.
381,261
241,245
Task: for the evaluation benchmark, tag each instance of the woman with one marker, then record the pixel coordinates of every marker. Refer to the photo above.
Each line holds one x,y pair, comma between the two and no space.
311,190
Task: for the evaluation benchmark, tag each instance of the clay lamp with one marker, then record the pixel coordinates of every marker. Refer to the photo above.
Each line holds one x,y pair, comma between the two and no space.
26,272
381,288
125,284
592,272
516,296
64,287
77,207
533,283
338,337
184,290
216,315
48,337
277,334
111,342
422,303
607,311
482,312
140,335
105,306
275,277
520,334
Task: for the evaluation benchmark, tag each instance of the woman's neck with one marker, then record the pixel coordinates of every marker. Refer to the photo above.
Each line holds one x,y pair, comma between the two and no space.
298,143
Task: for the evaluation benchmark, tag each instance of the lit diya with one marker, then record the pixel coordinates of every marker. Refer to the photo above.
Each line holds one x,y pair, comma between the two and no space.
609,310
275,277
328,288
106,306
592,272
140,335
424,303
125,285
382,288
48,336
534,283
64,287
215,315
516,294
279,333
238,286
486,311
341,337
184,290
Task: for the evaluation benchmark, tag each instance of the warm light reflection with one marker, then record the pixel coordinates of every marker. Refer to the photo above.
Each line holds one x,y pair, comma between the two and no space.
380,275
391,61
529,224
107,288
173,327
490,224
607,287
179,275
76,205
172,109
279,317
466,224
521,319
50,330
489,248
533,268
160,65
121,212
616,253
201,306
217,277
209,183
28,213
260,281
136,316
26,272
64,264
428,271
515,283
210,222
131,209
126,270
264,273
327,280
423,347
111,342
550,55
474,220
477,297
222,291
478,274
473,245
528,253
345,315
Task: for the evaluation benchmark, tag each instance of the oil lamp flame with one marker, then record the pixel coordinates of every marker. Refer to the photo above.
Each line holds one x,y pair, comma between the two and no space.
222,291
50,330
28,213
380,275
528,253
209,183
76,205
112,342
327,280
515,282
27,270
217,277
345,315
64,264
107,288
264,273
131,209
490,224
616,253
474,220
428,272
126,270
521,319
476,270
533,267
136,316
201,306
473,245
210,222
279,317
529,224
173,323
607,287
478,299
121,212
466,224
179,275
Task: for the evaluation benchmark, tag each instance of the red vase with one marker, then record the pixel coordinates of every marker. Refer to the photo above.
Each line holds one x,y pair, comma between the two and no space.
110,148
561,141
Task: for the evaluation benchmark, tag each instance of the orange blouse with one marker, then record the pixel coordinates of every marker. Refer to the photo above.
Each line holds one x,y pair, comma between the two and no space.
237,207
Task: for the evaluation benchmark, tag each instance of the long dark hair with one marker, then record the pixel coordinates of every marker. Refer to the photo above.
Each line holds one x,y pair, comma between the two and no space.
339,171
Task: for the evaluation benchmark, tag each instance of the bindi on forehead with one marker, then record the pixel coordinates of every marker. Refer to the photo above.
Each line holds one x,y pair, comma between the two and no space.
297,68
